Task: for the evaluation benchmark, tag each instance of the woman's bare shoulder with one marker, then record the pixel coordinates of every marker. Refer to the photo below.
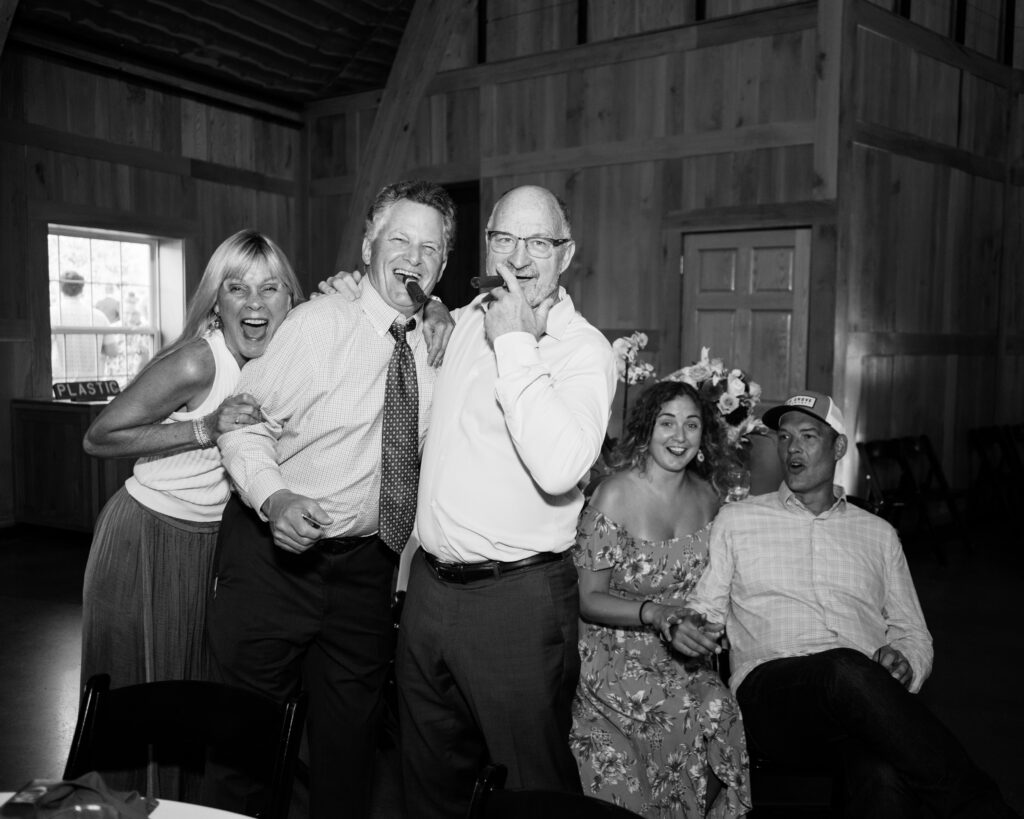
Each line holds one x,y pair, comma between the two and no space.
616,496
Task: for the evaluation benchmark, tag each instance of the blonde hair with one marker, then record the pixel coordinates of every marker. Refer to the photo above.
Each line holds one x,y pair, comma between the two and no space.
233,258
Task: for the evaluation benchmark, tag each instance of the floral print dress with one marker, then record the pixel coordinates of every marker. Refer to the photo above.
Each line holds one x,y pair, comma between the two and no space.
645,728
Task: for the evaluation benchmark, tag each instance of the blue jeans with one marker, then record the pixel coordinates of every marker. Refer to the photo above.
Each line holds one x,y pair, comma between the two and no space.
894,756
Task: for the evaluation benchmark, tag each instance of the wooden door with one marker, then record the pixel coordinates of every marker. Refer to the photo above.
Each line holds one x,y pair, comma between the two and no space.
745,297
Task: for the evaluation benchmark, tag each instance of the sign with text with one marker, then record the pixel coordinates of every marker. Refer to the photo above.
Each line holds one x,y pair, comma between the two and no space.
86,390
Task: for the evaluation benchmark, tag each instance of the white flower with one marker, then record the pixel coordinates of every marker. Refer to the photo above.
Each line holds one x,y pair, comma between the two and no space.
640,372
698,372
755,391
625,353
727,403
640,339
735,385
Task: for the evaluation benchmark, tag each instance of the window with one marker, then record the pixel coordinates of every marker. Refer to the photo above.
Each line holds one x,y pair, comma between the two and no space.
115,298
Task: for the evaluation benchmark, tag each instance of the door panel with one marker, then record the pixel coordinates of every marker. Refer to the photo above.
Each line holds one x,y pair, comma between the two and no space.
745,297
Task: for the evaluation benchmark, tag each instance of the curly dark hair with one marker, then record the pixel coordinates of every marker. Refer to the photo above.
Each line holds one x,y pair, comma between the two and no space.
631,450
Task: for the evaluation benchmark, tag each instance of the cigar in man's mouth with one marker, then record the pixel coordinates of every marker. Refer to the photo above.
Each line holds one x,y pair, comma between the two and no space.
486,282
415,292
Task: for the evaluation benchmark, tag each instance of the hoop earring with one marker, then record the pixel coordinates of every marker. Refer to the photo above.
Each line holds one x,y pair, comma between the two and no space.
700,456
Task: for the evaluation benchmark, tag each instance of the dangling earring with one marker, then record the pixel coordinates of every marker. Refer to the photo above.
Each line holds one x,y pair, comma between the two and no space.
215,322
700,456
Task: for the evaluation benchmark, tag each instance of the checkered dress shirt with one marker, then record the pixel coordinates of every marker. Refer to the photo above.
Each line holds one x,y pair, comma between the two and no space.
789,583
320,385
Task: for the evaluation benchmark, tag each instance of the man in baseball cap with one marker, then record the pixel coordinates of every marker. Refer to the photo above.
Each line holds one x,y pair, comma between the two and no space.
816,404
828,641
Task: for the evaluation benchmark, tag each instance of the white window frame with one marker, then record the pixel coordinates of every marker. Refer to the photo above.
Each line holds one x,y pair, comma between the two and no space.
167,289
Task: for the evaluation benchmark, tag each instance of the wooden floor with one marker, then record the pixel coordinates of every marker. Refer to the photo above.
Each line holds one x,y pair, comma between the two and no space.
972,604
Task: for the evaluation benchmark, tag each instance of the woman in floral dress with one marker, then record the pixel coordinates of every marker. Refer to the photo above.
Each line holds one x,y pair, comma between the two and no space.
649,733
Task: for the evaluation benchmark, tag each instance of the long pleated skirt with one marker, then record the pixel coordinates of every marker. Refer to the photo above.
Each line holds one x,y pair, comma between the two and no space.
147,582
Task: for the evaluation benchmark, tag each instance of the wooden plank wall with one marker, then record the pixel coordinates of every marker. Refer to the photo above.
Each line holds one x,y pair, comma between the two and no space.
897,161
930,239
643,130
79,147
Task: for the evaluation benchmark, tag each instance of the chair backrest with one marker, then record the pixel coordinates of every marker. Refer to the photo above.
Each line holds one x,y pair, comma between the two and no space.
187,723
889,481
492,801
920,459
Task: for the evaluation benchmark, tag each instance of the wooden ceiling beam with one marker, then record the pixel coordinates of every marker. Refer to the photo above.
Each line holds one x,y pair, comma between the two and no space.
419,56
7,9
163,78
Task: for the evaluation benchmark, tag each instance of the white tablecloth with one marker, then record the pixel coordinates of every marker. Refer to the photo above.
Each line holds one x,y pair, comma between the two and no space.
169,809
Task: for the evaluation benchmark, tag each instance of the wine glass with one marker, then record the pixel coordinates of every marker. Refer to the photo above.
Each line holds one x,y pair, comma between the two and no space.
737,483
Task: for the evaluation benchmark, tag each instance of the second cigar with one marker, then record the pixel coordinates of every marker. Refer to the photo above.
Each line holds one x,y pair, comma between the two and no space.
486,282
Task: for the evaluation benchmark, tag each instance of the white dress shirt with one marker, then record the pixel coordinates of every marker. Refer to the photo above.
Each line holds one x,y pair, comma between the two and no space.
788,583
513,431
320,385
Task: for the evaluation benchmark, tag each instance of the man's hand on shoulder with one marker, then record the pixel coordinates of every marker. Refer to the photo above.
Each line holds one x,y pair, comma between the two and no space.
296,522
893,661
341,282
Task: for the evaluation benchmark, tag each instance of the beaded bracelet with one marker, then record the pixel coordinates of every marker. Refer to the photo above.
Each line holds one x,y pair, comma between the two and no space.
641,612
201,435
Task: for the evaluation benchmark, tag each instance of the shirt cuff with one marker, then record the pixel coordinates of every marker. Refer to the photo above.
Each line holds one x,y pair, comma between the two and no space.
515,351
263,485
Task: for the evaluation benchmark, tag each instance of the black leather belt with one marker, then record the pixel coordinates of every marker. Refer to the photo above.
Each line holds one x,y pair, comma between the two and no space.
341,545
494,569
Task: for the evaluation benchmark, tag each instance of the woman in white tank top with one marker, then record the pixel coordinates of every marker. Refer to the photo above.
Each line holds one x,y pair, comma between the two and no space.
151,563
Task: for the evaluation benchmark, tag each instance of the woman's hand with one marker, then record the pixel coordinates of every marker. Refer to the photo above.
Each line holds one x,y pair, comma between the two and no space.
694,636
662,617
341,282
437,329
235,412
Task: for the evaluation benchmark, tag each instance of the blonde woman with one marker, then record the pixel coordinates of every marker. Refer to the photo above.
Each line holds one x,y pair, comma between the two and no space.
151,561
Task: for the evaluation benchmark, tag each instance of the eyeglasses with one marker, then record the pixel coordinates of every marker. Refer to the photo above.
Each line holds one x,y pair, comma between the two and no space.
539,247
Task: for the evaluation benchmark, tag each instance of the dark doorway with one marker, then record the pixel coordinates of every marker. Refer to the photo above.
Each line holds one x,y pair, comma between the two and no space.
464,259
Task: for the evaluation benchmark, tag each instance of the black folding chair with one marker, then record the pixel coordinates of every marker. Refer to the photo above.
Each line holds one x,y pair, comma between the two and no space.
190,724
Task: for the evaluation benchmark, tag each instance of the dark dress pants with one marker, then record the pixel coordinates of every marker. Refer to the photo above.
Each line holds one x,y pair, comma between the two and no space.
894,756
321,620
487,671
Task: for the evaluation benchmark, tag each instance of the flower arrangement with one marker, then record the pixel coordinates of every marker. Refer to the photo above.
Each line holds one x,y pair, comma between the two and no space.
629,369
729,390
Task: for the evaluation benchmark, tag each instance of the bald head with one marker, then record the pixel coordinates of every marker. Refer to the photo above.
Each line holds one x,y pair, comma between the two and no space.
538,200
531,212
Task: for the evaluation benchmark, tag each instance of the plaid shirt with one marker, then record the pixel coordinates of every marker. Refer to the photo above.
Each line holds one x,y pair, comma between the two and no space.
788,583
320,385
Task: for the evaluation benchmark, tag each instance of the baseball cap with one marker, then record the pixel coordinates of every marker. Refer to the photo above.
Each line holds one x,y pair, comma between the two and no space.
816,404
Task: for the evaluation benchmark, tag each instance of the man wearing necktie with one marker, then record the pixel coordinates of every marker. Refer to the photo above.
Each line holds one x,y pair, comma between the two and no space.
306,564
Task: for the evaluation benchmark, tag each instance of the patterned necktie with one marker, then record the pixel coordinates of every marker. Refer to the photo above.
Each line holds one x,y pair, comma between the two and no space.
400,457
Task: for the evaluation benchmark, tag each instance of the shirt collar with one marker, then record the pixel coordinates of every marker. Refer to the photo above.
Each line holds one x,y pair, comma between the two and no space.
382,315
790,501
561,315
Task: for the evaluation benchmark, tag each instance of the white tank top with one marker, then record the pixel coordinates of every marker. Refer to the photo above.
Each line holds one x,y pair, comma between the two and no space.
190,485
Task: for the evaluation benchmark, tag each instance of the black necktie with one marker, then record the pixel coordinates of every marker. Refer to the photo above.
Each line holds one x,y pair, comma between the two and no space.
400,456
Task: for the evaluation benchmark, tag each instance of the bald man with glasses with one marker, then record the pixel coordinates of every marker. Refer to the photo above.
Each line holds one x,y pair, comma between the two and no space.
487,658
